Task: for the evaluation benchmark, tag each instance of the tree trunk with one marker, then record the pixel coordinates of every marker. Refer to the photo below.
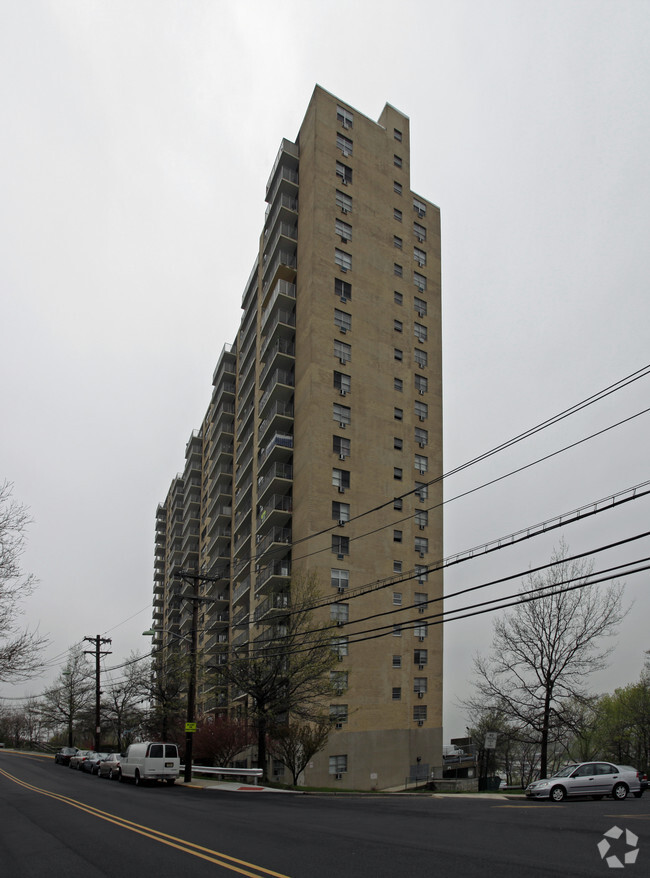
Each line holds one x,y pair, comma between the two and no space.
543,761
261,744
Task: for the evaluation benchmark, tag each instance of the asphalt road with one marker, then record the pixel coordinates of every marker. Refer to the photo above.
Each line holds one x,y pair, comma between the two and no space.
57,823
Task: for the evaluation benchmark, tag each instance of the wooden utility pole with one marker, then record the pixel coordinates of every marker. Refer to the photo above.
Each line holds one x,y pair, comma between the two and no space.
98,641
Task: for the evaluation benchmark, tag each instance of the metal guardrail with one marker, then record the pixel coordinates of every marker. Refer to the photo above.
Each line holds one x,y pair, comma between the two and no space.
245,773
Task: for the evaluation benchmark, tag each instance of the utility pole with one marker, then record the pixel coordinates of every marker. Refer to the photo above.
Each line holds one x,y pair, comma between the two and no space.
190,726
98,641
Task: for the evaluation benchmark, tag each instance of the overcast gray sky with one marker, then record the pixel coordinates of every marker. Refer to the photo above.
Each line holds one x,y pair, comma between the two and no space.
135,143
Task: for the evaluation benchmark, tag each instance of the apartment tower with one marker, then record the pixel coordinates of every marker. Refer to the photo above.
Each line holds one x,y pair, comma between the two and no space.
321,450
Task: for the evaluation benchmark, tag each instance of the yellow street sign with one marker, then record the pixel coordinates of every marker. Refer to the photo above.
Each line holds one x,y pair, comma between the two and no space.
190,727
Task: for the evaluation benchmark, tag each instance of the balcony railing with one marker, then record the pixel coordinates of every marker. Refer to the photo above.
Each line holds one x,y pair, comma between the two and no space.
277,471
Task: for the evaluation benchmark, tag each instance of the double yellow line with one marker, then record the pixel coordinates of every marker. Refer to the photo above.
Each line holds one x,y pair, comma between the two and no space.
186,847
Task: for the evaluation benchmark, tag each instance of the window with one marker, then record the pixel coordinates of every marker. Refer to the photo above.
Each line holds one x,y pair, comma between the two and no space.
397,566
398,414
420,232
398,443
398,326
343,173
342,382
340,545
420,357
342,289
397,214
420,629
420,656
420,256
420,305
342,414
397,693
398,473
398,384
343,201
397,598
340,645
397,630
343,320
397,187
422,574
421,518
397,242
339,612
421,384
340,511
420,712
397,270
397,536
339,680
344,116
341,446
338,713
397,661
421,545
397,134
398,298
341,478
339,579
421,463
422,410
397,161
420,685
338,764
398,503
420,332
343,351
421,490
419,207
397,354
421,436
343,259
344,144
420,281
420,598
343,229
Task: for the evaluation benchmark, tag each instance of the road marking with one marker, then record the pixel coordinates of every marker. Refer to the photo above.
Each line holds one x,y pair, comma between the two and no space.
618,816
187,847
520,806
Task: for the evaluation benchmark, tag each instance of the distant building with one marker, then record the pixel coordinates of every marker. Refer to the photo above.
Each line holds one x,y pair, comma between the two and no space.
328,405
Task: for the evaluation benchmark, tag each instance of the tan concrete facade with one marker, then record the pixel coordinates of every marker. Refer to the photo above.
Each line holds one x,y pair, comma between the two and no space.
332,396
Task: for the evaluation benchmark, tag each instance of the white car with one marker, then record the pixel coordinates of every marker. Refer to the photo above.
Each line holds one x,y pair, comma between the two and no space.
595,779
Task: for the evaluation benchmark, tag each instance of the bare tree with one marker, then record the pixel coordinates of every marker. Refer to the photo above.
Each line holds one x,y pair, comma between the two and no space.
19,649
545,648
165,689
121,702
285,670
295,744
219,739
68,702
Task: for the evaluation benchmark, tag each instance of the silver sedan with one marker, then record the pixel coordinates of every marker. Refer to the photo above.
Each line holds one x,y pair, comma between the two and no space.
595,779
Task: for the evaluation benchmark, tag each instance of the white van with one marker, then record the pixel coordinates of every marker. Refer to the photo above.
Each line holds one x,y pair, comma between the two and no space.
150,760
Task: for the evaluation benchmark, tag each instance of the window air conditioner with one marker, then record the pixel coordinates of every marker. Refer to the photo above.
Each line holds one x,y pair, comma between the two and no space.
343,299
343,330
344,181
420,667
421,527
420,313
341,456
338,726
421,609
344,240
420,694
341,589
421,639
342,360
422,444
343,268
341,489
341,390
345,152
420,238
340,557
340,624
342,425
421,365
421,554
421,392
338,777
420,722
340,658
341,522
422,418
345,210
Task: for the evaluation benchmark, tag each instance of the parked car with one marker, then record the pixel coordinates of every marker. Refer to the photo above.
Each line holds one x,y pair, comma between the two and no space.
79,757
595,779
110,766
151,760
64,754
92,761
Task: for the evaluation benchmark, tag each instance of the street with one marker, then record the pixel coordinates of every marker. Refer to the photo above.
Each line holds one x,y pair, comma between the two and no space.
58,822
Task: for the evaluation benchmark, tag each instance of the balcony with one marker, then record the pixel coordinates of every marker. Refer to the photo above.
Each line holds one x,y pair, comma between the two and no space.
242,491
241,589
279,447
286,162
279,387
275,512
280,353
279,416
276,540
277,476
271,606
281,265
